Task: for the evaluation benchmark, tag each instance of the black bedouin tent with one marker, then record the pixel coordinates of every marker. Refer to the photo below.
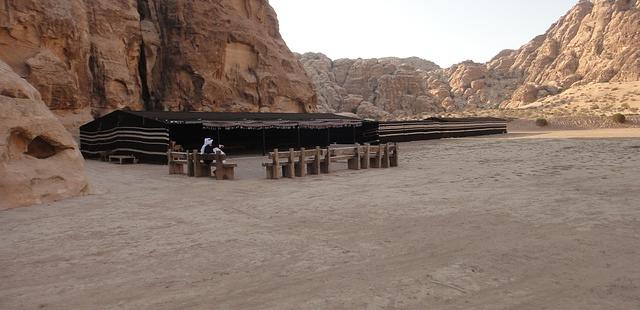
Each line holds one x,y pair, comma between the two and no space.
438,128
148,135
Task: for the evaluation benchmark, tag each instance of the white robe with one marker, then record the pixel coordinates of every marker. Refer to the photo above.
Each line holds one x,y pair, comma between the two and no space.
207,142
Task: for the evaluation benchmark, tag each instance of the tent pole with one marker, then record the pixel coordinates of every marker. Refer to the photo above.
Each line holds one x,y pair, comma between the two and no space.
328,137
354,135
264,143
219,141
299,136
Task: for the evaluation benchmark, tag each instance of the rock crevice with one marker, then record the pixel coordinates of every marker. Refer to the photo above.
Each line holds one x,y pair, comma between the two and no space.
103,55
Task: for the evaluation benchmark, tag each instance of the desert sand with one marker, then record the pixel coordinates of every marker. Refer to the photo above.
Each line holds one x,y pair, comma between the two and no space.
504,222
592,99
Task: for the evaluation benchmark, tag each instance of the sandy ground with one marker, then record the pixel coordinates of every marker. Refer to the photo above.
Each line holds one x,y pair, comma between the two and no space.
507,222
604,133
585,123
579,107
594,99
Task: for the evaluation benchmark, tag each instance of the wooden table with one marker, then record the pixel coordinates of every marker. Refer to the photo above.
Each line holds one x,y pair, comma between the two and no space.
122,159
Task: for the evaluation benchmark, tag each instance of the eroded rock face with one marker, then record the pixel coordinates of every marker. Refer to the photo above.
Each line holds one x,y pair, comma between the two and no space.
227,55
39,161
396,87
179,55
376,88
597,41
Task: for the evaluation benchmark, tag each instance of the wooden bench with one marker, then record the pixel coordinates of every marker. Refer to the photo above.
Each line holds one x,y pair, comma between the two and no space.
123,159
178,161
383,156
298,163
196,166
223,170
351,155
394,157
104,155
282,164
315,161
310,162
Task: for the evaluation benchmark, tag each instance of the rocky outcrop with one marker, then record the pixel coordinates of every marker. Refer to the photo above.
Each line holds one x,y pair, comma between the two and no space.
39,161
177,55
227,55
597,41
376,88
397,87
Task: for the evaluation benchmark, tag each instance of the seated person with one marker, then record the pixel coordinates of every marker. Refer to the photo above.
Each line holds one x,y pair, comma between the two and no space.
208,148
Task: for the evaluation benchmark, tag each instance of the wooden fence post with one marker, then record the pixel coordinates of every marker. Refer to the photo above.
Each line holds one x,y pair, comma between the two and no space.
276,164
302,164
377,160
196,164
354,163
169,161
394,159
385,158
365,157
201,168
316,162
190,163
326,166
291,169
219,167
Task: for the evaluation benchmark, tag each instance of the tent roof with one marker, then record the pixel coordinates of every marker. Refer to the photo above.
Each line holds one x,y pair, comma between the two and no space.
179,117
228,120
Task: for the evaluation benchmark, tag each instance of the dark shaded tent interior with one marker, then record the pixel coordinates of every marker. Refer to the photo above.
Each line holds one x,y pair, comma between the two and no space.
147,135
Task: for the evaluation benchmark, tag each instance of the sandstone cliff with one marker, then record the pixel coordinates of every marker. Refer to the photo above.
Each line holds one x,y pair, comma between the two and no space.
376,88
595,42
181,55
39,161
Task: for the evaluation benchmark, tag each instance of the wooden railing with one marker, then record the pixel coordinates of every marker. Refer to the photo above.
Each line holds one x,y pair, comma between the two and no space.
316,161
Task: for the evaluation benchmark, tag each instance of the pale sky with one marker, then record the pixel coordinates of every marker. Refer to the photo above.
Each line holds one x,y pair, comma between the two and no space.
442,31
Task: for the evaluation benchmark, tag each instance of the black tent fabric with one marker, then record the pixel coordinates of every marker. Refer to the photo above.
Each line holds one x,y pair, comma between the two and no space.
258,132
121,133
148,135
438,128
